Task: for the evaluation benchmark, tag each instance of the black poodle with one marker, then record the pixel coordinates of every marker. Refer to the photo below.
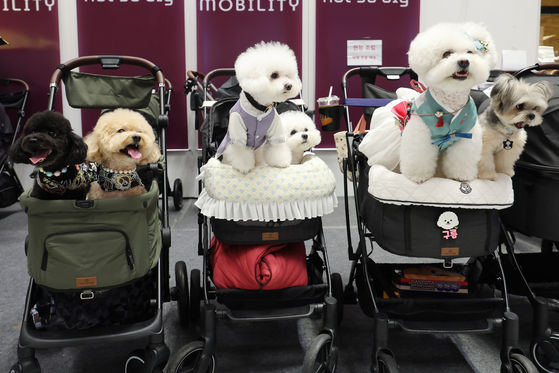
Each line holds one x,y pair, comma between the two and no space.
59,154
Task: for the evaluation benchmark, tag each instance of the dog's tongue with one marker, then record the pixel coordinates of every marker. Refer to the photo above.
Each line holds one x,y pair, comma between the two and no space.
519,125
39,156
134,153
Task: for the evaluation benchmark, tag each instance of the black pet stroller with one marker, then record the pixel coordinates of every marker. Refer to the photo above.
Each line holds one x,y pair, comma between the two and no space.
321,296
13,100
534,214
451,289
99,268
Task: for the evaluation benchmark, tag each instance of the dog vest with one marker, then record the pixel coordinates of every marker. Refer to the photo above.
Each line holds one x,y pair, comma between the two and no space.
446,127
48,181
112,180
258,129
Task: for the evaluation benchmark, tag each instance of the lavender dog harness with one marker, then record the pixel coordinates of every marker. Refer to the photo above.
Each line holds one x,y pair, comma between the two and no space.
258,129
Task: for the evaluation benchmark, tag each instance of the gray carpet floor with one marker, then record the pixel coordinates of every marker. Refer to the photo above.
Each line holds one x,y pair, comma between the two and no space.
270,347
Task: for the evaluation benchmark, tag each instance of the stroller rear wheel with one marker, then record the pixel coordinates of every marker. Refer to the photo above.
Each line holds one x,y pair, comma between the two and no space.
177,194
183,299
136,362
387,363
320,356
521,364
545,354
188,359
195,294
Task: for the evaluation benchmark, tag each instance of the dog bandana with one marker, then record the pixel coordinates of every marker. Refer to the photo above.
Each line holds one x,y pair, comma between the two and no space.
258,129
111,180
50,182
446,127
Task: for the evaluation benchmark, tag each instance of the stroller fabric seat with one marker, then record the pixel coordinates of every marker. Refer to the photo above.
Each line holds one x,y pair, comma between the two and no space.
392,187
268,193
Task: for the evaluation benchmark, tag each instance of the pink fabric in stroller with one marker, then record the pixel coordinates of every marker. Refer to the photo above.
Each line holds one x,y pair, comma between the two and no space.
262,266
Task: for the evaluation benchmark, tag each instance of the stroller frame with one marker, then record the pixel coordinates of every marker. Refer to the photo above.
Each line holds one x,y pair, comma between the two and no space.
13,101
155,355
199,355
544,346
382,357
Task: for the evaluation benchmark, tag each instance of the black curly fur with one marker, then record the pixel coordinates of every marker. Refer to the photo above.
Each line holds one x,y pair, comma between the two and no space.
52,131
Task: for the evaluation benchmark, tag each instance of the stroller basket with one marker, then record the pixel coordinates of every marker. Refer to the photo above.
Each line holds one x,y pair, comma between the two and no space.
92,244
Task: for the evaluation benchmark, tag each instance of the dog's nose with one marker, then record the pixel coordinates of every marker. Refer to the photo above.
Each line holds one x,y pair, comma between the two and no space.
305,136
136,139
531,116
463,63
288,87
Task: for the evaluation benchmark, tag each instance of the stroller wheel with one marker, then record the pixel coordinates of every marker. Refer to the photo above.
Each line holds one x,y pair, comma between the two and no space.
544,354
195,294
321,356
387,364
177,194
188,359
521,364
183,299
338,293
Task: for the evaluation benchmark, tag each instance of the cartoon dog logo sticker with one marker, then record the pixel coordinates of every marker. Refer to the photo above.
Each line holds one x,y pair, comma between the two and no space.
448,221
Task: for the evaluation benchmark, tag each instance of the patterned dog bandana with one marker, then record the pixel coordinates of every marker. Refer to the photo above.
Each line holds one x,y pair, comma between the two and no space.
111,180
48,181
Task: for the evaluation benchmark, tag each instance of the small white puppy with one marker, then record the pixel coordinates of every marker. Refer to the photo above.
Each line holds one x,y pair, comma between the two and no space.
267,74
450,59
514,105
300,133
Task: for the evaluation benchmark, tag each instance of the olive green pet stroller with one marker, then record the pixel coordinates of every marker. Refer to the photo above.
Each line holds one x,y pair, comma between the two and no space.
100,268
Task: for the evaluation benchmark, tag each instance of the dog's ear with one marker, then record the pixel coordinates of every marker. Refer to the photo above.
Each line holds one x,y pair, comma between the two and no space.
546,89
503,89
93,150
77,149
16,153
154,155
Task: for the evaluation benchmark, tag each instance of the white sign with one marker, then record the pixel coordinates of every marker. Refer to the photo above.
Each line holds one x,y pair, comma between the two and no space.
364,52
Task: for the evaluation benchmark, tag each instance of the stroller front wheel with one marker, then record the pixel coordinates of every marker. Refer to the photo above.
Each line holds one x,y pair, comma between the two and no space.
321,356
188,359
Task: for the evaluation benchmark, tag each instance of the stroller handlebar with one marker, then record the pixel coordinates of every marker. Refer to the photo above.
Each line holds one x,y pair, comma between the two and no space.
107,62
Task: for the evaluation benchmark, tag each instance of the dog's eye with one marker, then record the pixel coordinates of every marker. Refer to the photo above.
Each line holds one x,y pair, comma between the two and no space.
293,132
120,130
306,130
447,54
274,75
535,108
520,106
470,52
52,134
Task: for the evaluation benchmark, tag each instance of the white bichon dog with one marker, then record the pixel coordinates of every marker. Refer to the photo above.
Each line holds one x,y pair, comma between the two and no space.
300,133
267,74
442,129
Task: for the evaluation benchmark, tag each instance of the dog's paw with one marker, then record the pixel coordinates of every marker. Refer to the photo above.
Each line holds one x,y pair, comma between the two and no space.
419,178
487,176
281,164
507,171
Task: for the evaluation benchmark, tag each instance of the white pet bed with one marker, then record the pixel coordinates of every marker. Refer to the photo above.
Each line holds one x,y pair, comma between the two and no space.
268,193
394,188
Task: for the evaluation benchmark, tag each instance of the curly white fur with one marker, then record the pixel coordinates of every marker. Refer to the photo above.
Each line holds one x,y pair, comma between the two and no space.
300,133
268,72
449,59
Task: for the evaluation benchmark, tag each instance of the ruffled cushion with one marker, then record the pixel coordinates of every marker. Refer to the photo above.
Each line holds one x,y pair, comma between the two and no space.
392,187
268,193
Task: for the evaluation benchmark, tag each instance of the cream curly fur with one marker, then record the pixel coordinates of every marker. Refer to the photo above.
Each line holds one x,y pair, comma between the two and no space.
107,145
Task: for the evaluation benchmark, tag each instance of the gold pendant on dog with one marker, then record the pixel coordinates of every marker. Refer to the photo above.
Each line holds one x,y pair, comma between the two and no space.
507,144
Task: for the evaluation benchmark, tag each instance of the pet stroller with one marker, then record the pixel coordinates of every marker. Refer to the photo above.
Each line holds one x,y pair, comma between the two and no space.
253,224
99,268
534,214
10,185
448,230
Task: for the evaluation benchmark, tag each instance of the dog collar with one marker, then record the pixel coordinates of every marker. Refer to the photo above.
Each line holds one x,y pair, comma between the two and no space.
112,180
85,175
257,105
